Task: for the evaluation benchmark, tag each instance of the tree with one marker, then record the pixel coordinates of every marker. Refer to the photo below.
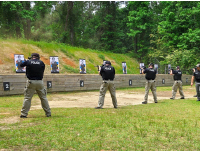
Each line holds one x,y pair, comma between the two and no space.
123,42
26,14
10,22
140,24
178,32
15,15
42,20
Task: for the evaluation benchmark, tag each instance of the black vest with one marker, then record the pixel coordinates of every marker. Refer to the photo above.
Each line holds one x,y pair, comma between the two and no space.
197,75
35,69
177,74
150,74
107,73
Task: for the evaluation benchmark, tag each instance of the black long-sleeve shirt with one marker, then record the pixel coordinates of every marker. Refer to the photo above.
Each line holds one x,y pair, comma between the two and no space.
34,69
107,72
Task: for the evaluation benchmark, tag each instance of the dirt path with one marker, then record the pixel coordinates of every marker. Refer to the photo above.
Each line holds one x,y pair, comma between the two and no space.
90,99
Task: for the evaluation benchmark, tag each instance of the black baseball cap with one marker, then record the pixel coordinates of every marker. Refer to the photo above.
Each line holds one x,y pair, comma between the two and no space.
151,64
177,67
108,62
36,55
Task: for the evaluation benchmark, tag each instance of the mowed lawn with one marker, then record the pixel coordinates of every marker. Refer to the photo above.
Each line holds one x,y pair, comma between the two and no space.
167,125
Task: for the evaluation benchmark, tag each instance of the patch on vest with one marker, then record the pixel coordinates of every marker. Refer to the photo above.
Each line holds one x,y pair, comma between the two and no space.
151,70
106,68
197,75
35,62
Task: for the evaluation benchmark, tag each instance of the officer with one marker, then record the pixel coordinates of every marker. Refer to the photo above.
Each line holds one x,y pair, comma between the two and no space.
194,69
177,82
34,72
150,83
108,74
196,76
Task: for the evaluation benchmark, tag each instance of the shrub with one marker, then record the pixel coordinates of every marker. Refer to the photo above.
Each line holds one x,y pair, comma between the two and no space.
101,56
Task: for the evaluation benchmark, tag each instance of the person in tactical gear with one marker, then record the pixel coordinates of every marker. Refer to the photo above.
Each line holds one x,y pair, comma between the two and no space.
194,69
108,74
150,83
196,76
34,72
177,82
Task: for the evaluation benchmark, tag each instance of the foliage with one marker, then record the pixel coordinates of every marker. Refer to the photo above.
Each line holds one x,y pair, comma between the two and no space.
178,33
147,30
101,56
187,59
70,69
140,23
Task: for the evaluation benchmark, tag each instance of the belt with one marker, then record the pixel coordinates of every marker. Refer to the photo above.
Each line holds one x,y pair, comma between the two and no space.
151,80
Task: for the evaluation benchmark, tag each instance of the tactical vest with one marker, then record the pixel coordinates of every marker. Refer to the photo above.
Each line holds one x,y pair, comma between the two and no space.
177,75
150,74
35,69
108,73
197,76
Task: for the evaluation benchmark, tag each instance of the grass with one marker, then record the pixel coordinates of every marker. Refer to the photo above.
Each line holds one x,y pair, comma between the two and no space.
101,56
93,57
70,69
168,125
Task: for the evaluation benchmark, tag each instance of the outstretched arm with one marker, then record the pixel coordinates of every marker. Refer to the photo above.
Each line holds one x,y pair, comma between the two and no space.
99,70
192,80
23,64
171,72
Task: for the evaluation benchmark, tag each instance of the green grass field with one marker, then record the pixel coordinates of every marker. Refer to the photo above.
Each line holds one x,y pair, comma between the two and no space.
167,125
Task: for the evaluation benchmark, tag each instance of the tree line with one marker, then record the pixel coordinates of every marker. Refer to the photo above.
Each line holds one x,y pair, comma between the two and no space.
162,32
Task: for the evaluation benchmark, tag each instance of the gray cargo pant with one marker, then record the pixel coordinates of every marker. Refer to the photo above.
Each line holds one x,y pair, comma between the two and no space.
177,84
198,90
107,84
31,87
150,84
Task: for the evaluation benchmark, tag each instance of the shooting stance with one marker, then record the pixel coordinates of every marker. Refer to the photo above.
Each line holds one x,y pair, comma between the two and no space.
196,76
108,74
177,82
194,69
34,72
150,83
